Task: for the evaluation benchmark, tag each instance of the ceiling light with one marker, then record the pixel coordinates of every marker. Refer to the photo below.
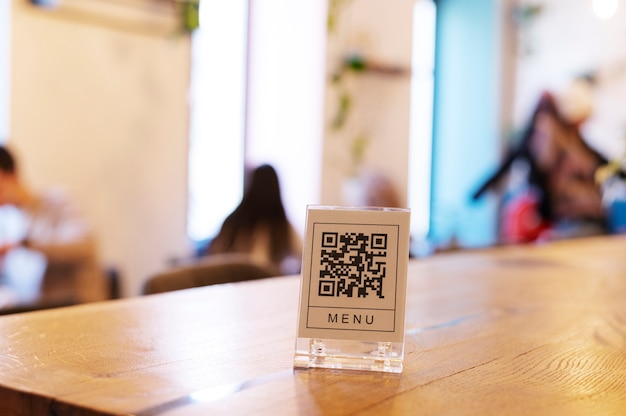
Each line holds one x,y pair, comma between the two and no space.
604,9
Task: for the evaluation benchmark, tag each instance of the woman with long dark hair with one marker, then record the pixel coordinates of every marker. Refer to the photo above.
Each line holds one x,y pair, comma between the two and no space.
259,226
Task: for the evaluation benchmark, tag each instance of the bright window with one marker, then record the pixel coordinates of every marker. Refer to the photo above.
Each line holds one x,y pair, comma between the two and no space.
422,89
273,114
216,145
285,97
5,33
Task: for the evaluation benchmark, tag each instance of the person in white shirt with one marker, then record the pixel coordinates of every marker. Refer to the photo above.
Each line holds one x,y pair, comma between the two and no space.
54,227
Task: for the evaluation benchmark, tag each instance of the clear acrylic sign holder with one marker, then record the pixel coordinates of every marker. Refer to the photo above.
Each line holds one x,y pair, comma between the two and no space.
353,289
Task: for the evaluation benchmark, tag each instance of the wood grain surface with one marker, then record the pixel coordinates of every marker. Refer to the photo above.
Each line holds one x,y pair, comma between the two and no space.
524,330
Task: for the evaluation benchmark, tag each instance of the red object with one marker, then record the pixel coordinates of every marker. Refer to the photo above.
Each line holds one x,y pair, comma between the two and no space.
521,221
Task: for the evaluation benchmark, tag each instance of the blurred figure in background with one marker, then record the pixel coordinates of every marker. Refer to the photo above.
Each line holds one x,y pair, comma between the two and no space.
52,226
371,188
259,226
559,196
380,191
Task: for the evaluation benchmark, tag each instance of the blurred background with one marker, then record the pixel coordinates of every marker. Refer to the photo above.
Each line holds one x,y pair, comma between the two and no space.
148,111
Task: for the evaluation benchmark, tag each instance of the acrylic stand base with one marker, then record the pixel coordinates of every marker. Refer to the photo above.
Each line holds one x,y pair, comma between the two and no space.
351,355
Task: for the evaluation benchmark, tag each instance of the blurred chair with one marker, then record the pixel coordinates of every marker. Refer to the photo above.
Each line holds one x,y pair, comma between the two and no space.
114,279
210,270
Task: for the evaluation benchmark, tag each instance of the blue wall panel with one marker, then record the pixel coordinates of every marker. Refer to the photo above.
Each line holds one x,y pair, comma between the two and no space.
466,121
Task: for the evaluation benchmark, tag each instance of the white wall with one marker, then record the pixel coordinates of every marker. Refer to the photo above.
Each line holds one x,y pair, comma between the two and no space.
565,40
381,31
102,110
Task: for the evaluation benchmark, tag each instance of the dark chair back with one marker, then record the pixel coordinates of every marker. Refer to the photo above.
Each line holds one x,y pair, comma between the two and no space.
211,270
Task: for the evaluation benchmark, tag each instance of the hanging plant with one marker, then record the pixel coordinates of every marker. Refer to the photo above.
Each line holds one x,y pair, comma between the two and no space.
190,15
334,8
525,13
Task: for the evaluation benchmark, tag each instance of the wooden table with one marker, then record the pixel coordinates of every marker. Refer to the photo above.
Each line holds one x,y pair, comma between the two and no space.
536,330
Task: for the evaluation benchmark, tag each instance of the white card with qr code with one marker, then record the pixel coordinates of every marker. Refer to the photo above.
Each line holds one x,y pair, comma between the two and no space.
354,274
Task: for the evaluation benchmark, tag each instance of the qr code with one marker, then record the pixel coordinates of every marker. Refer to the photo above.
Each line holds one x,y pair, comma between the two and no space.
352,264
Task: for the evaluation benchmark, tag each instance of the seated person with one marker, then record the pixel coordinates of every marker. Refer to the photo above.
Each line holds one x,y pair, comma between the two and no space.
561,197
52,226
259,226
